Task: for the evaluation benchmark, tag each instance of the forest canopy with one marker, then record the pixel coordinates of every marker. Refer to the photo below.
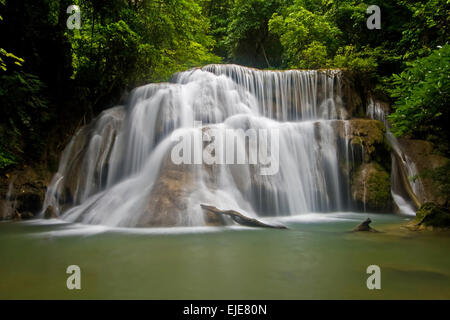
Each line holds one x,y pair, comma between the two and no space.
51,76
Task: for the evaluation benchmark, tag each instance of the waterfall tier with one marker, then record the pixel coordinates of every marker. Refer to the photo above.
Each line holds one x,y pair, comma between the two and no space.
119,170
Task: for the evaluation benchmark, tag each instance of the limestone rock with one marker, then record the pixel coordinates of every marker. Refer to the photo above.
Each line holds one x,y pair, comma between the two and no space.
423,154
170,196
371,188
430,216
50,213
23,191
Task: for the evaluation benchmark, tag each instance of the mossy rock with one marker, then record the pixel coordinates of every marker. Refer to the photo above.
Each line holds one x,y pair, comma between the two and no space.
432,215
368,136
371,188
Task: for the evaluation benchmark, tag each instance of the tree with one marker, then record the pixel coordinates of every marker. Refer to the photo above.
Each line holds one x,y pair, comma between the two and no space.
422,97
305,34
249,41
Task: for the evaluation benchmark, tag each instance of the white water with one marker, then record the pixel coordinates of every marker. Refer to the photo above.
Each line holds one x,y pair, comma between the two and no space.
117,171
375,111
8,207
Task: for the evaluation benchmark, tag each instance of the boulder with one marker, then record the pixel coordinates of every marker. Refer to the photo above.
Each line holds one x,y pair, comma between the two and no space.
365,226
169,198
50,213
366,137
371,188
430,216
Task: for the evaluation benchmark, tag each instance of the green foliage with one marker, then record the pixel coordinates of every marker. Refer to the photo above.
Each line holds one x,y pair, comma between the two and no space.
3,64
218,13
6,158
123,44
249,41
24,114
4,55
314,56
427,28
358,61
422,93
304,34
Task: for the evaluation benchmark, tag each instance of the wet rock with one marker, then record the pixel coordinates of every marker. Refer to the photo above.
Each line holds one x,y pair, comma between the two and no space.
29,202
169,199
430,216
88,152
6,209
351,95
425,158
371,188
50,213
23,190
365,226
23,215
366,137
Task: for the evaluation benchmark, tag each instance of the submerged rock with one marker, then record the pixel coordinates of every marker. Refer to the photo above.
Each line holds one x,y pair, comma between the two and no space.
365,226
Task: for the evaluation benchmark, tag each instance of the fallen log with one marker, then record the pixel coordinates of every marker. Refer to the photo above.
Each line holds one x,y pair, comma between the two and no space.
240,218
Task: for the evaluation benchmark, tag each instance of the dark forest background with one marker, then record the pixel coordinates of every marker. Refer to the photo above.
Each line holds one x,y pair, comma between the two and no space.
53,79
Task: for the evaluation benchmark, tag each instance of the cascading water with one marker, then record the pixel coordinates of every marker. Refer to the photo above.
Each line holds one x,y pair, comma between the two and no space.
9,206
401,165
118,170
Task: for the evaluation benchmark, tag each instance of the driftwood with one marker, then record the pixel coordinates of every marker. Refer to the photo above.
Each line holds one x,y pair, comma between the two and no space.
364,226
240,218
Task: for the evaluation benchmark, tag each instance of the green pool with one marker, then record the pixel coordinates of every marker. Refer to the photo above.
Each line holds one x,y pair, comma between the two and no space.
317,258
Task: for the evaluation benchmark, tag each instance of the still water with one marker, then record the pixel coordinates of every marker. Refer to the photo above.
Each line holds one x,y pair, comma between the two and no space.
316,258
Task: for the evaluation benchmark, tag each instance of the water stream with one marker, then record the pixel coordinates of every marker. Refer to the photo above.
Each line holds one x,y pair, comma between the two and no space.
119,170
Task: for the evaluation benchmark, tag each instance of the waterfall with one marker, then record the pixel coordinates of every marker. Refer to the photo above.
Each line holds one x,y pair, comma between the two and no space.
118,170
8,207
401,165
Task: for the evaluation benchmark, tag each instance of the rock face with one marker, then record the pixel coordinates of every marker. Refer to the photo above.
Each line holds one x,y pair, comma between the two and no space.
371,188
423,154
351,95
366,138
22,193
50,213
369,163
170,196
431,216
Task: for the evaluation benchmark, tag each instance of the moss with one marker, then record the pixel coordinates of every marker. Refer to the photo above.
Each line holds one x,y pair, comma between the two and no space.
379,187
367,133
371,187
430,214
